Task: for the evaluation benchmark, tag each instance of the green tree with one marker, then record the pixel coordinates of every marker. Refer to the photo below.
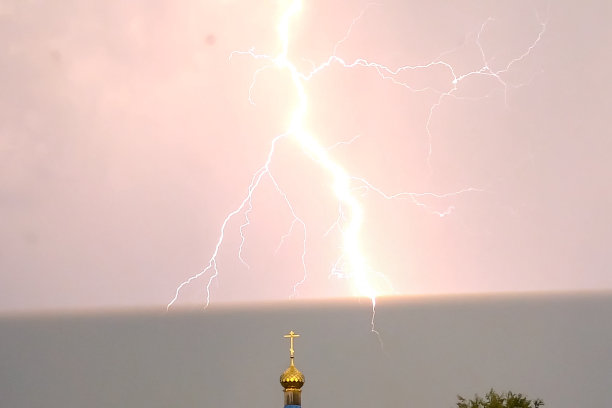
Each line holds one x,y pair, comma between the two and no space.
495,400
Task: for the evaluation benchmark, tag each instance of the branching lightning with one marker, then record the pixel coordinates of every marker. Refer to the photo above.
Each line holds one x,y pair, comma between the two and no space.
347,188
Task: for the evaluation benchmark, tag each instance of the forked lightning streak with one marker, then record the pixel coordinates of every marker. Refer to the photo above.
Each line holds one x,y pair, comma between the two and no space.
351,262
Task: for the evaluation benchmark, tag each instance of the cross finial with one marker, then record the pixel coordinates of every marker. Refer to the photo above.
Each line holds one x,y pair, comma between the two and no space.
291,336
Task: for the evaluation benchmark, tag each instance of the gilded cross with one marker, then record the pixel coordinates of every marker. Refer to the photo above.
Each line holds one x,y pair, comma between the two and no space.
291,336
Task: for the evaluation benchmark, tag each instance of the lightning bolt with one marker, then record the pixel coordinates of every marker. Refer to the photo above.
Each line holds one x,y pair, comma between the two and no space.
347,188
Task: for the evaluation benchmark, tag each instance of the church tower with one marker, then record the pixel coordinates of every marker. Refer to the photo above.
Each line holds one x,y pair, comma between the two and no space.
292,379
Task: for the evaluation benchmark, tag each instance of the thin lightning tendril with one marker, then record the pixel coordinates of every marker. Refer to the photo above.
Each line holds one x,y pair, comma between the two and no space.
351,262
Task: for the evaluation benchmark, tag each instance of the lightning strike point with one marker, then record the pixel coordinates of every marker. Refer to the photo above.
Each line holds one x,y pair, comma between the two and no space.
351,262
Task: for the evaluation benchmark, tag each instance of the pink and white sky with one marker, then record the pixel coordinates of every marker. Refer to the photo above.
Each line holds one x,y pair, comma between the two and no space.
127,135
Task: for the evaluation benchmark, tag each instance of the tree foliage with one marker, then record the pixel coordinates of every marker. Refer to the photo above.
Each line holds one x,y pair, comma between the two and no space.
494,400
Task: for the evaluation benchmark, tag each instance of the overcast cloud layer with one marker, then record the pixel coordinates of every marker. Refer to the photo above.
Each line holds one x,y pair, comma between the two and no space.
548,346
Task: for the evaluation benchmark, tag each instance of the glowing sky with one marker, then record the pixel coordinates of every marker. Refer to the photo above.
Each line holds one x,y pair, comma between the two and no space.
127,135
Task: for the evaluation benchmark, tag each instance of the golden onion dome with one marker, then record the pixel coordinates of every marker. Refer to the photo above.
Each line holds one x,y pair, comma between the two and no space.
292,377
